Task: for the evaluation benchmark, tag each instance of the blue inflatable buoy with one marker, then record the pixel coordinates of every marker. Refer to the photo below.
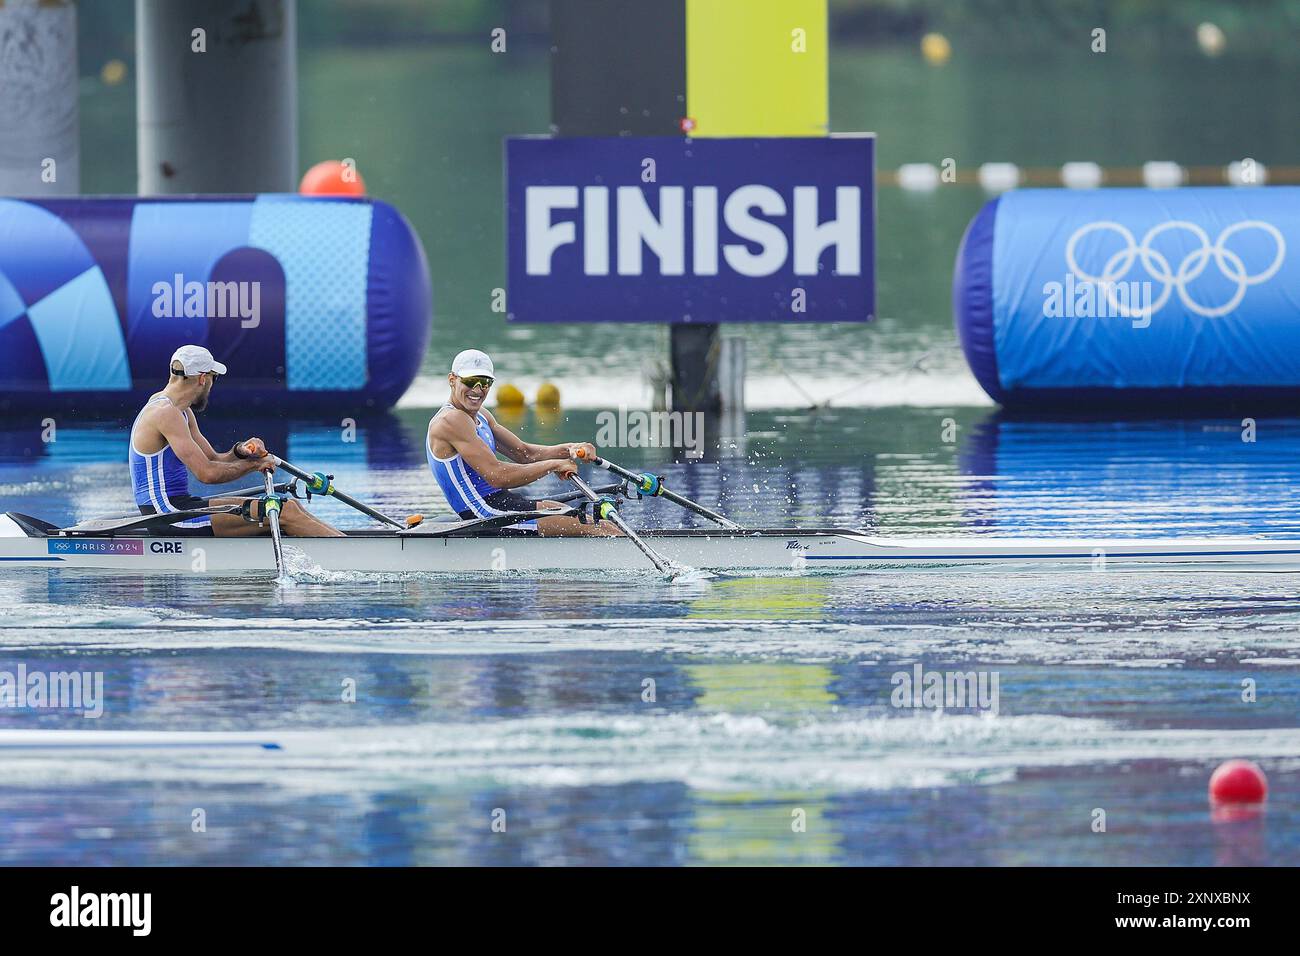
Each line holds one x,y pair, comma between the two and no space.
1133,299
314,304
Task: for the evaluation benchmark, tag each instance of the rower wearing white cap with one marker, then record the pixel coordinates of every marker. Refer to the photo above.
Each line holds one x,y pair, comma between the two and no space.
463,442
167,447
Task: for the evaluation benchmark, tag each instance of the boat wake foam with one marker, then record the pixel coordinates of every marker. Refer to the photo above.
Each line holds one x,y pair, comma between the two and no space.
719,751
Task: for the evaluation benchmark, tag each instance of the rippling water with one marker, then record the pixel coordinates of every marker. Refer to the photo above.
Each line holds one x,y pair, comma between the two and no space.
619,719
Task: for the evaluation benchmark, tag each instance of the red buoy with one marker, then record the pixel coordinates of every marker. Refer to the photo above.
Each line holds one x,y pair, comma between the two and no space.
332,178
1238,781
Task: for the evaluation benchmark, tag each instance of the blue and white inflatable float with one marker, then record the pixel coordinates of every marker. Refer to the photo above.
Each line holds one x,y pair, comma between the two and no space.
314,304
1133,300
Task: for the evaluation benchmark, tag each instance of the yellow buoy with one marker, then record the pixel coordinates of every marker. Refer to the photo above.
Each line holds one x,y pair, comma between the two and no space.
548,395
508,396
936,49
113,72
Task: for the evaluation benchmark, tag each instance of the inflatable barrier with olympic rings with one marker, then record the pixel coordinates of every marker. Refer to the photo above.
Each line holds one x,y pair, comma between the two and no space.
1134,300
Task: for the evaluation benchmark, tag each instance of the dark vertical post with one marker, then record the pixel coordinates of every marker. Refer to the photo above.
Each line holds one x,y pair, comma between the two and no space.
695,361
618,68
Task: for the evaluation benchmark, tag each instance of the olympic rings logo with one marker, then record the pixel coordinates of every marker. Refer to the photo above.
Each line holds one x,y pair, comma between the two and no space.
1155,263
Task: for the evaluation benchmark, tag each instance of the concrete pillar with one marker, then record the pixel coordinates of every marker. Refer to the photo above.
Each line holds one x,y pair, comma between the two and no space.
217,93
731,388
695,352
39,139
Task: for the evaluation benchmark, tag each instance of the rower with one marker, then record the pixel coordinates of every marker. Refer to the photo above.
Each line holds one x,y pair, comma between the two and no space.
463,441
166,448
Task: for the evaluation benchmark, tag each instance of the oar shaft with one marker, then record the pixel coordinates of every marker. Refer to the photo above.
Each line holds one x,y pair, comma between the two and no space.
245,492
672,496
661,563
575,495
698,509
610,466
348,500
273,514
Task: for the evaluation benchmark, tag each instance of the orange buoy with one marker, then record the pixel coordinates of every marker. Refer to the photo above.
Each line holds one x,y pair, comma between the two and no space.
333,178
1238,781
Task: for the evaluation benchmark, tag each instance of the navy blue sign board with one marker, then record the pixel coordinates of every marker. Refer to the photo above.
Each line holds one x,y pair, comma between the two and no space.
728,230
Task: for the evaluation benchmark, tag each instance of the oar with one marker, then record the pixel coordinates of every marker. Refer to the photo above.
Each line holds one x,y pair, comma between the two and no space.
653,486
282,487
321,484
272,505
605,509
620,488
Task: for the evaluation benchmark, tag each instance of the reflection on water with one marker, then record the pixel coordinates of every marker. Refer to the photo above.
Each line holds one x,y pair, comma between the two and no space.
1199,476
894,471
729,763
618,719
794,598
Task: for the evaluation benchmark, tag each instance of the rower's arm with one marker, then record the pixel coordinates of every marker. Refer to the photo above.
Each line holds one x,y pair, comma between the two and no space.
204,445
458,431
203,464
212,453
516,449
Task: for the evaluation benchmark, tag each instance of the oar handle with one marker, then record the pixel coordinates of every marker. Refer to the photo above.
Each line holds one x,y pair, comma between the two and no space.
581,454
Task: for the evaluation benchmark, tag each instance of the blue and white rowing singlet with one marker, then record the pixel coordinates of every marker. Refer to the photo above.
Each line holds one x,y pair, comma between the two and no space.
161,477
463,487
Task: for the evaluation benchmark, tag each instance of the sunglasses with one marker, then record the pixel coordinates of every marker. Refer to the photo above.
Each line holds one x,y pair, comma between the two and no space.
180,372
477,381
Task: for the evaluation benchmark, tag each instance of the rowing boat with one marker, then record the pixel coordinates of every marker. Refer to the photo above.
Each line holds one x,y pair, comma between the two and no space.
486,547
503,543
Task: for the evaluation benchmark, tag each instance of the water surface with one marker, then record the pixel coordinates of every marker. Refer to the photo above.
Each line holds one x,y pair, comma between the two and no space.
614,718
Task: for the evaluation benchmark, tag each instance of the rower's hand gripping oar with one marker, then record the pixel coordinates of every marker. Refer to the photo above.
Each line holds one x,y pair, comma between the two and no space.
605,511
653,485
322,484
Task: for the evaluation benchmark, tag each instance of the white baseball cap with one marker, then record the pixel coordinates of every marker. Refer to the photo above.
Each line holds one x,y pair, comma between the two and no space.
195,359
472,362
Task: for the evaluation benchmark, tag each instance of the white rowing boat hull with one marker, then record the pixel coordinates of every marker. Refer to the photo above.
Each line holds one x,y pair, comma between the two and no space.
770,550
